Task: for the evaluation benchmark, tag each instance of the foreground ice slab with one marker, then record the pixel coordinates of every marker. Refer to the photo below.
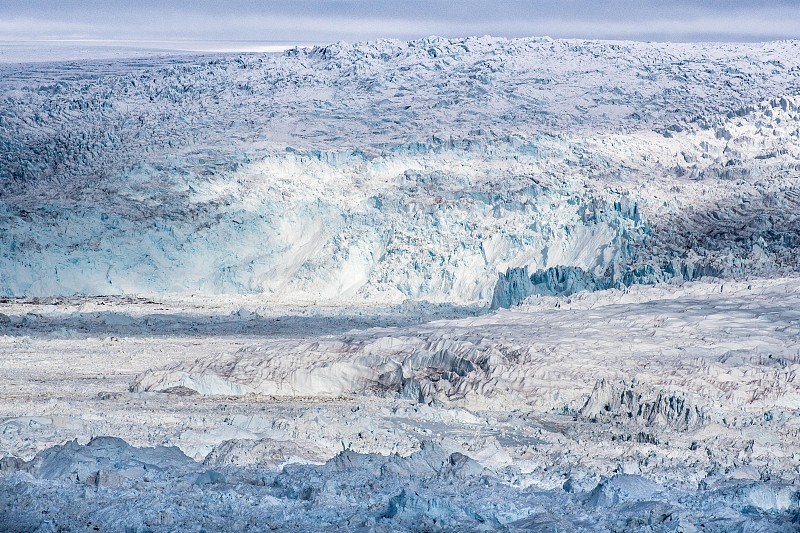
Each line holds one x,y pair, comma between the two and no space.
664,409
110,485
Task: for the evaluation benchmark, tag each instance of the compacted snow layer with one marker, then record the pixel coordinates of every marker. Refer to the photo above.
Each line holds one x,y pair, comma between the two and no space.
669,408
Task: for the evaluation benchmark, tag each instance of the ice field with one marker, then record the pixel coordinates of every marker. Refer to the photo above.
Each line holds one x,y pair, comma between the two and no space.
440,285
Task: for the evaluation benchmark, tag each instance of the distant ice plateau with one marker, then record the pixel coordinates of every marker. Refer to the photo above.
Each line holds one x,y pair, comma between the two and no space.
448,284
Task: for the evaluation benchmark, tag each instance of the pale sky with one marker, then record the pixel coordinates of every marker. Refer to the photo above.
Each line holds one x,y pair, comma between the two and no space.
356,20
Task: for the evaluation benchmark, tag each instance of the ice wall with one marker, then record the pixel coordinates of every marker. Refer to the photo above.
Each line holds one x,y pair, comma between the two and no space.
308,226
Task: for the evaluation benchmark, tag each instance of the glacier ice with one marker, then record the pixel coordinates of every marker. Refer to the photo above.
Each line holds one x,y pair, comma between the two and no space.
353,172
446,284
405,493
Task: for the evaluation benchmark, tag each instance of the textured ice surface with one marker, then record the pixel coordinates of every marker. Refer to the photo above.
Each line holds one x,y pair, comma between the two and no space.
388,171
686,359
252,292
430,490
544,416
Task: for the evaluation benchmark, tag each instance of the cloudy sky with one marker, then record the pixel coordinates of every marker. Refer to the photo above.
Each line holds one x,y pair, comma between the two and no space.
353,20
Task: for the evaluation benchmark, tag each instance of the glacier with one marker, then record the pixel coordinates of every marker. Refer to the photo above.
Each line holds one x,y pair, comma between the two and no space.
474,284
316,174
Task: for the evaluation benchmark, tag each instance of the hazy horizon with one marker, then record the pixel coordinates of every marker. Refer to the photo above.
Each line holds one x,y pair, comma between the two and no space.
357,20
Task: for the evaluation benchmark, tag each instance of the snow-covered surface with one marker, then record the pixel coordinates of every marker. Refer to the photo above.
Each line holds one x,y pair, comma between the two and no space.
470,284
712,338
